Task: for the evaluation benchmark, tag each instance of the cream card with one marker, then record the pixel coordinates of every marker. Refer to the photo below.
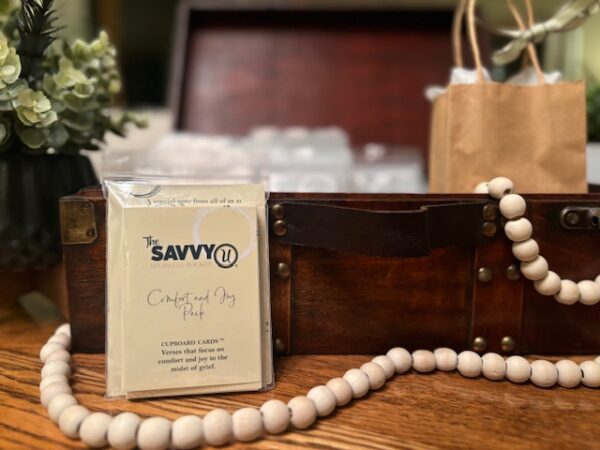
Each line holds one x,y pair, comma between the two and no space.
187,299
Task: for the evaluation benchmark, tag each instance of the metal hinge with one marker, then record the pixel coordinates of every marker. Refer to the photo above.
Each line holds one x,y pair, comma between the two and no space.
580,217
77,221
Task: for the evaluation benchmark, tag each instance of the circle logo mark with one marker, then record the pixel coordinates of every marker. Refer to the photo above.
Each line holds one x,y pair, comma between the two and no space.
226,255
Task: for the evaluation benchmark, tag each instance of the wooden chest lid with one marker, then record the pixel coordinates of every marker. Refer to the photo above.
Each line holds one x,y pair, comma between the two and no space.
360,65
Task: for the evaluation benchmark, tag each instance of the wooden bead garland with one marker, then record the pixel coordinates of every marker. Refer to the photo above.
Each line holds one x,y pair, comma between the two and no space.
127,430
534,266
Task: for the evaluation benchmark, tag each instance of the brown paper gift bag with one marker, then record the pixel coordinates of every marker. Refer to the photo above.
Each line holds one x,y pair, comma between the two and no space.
535,135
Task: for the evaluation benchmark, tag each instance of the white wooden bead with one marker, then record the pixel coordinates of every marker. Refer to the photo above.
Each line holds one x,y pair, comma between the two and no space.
591,374
218,427
597,280
549,285
49,348
500,186
512,206
589,292
568,294
58,404
276,416
304,412
324,399
469,364
536,269
386,363
64,328
59,355
94,428
518,369
401,358
527,250
53,367
154,433
446,359
61,339
597,360
543,373
569,373
518,230
70,420
247,424
375,373
122,431
341,389
52,378
52,390
493,366
358,381
187,432
482,188
423,361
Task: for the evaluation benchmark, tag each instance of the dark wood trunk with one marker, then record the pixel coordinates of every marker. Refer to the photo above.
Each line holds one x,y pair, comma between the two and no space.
334,302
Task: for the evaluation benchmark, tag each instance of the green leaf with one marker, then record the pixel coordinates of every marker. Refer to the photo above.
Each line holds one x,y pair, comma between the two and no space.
32,137
3,133
37,32
11,92
58,136
81,122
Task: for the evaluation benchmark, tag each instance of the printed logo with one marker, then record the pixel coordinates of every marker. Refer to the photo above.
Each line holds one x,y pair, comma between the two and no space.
224,255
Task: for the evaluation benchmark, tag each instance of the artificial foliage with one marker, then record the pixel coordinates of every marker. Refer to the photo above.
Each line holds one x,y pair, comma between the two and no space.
593,113
54,95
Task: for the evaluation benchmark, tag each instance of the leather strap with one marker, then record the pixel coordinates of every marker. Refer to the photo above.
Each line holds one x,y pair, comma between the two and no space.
382,232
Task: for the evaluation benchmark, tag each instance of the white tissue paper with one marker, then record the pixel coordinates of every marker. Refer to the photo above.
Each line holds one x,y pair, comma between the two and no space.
460,75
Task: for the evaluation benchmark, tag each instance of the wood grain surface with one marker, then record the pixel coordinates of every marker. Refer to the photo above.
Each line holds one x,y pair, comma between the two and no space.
411,411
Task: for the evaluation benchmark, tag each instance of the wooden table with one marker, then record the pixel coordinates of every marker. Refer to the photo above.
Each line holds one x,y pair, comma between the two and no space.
411,411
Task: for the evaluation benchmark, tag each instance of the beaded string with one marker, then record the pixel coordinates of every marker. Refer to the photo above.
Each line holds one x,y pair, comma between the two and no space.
533,266
127,430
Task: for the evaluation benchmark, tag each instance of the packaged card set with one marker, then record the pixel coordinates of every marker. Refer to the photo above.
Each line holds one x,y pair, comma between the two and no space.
187,289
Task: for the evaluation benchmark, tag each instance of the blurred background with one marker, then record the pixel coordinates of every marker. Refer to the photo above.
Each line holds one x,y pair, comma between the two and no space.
240,35
143,31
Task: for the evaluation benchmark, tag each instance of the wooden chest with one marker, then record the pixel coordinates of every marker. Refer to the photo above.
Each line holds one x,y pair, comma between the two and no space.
356,273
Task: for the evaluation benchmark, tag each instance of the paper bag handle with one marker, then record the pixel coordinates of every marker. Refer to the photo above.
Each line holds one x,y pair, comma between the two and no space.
468,7
533,57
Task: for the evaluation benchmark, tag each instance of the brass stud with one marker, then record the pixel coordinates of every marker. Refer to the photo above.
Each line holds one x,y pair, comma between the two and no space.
508,344
279,347
277,211
572,218
489,229
479,344
283,270
280,228
513,273
490,211
484,274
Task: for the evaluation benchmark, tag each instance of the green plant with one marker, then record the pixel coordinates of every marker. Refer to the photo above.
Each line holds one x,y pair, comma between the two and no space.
593,113
54,94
